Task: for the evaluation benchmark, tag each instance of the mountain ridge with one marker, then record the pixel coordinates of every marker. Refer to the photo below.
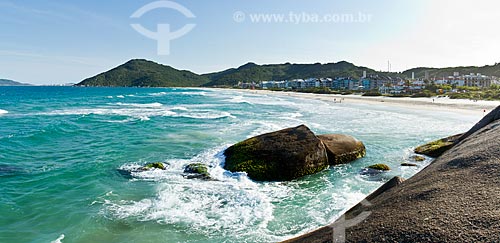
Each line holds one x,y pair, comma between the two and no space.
145,73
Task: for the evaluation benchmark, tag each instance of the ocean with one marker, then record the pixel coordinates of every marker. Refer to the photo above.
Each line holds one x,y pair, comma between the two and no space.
61,149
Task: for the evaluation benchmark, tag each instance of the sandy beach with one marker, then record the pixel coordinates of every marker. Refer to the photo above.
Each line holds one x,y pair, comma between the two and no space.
434,103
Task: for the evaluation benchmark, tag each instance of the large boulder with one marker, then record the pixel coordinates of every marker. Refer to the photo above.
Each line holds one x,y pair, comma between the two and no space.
342,148
438,147
277,156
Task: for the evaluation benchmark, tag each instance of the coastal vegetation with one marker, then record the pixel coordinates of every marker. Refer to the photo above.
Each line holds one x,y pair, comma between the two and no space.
144,73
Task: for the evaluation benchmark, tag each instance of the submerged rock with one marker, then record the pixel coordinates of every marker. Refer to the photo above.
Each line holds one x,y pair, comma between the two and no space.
342,148
438,147
277,156
375,169
155,165
127,173
418,158
197,171
383,167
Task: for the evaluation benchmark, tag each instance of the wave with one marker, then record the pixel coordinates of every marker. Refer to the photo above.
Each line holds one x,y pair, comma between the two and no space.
202,93
233,203
158,94
150,105
144,112
2,112
120,96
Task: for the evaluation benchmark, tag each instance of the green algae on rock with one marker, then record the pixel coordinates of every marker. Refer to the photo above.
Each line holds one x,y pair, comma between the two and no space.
197,170
418,158
438,147
155,165
383,167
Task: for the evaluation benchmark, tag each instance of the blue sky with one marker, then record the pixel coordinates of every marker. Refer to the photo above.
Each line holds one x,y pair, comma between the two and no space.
47,42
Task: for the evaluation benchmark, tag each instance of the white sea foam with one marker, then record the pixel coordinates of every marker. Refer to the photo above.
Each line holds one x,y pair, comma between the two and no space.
202,93
120,96
181,108
231,204
144,112
158,94
59,239
150,105
3,112
204,114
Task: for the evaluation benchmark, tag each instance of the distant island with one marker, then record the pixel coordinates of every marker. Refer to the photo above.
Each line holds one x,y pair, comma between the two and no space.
7,82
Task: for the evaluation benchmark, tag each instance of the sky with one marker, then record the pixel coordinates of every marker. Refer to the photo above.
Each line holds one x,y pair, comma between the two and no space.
60,41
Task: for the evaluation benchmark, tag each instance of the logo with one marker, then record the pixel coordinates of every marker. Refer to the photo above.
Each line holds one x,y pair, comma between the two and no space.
163,35
341,224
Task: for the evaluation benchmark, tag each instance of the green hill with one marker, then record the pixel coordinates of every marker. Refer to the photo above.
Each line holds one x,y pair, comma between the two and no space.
253,72
7,82
144,73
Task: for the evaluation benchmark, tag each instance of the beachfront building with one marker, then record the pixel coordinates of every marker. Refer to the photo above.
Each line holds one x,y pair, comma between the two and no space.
477,80
471,80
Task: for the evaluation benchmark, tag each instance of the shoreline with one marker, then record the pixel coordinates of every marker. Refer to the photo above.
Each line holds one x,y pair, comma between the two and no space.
468,107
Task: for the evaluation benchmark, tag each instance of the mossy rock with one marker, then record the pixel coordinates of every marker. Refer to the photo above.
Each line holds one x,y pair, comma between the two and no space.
155,165
408,164
418,158
197,170
436,148
278,156
382,167
342,148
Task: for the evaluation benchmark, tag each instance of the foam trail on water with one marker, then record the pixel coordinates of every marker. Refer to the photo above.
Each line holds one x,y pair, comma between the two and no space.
59,239
3,112
150,105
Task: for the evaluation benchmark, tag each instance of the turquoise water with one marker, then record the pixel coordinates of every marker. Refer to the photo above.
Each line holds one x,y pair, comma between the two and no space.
60,148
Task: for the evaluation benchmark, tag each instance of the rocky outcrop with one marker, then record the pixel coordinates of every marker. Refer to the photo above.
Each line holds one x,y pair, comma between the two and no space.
342,148
325,234
375,169
197,171
155,165
438,147
127,173
454,199
278,156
